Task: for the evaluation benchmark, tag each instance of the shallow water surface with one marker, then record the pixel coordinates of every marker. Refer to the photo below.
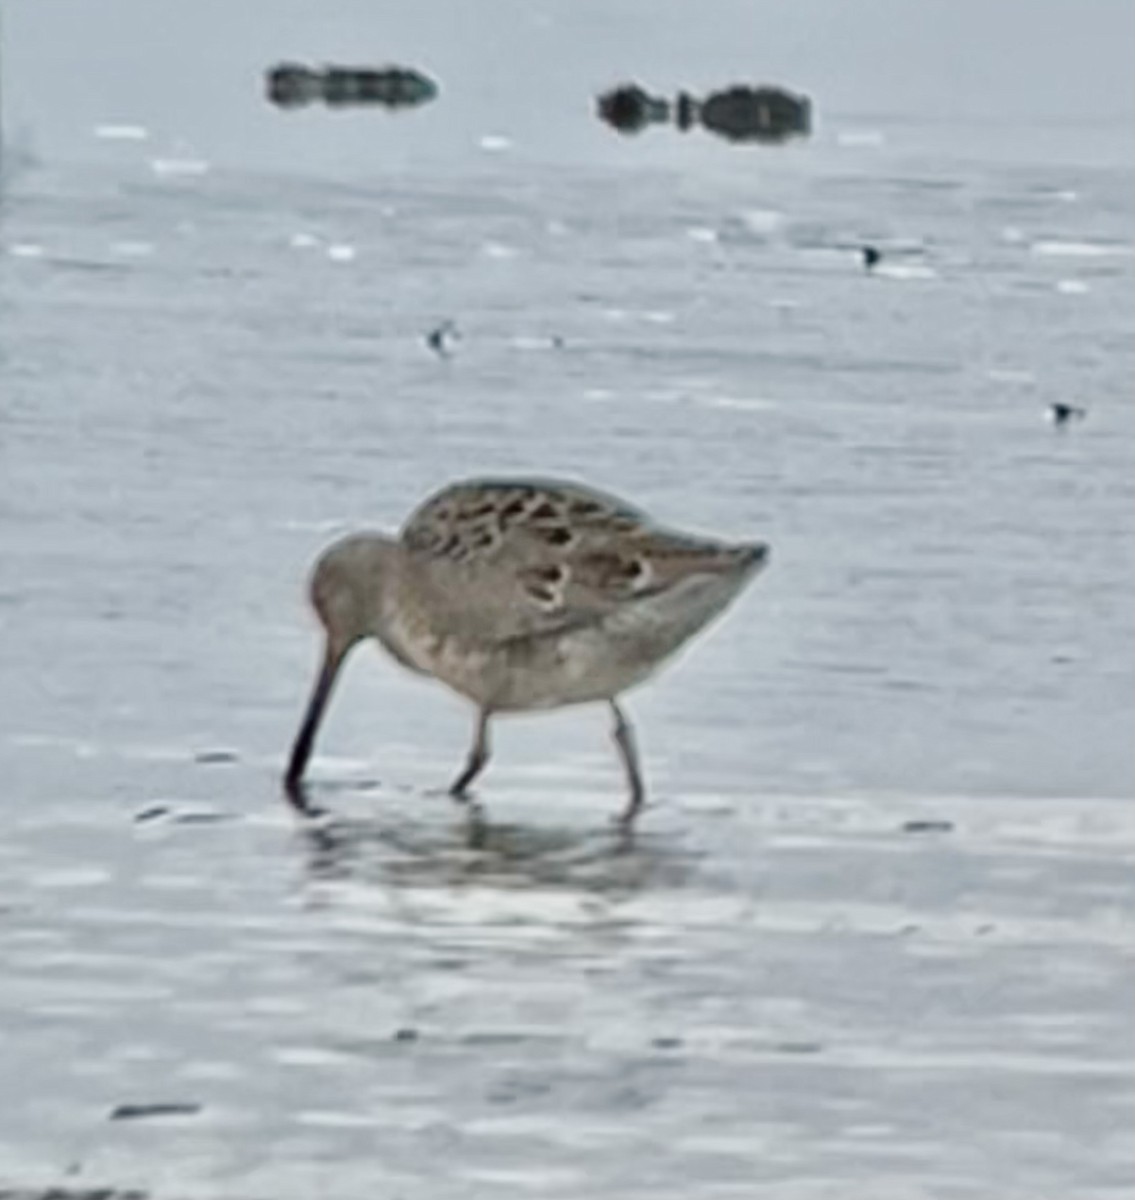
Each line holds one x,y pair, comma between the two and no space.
789,993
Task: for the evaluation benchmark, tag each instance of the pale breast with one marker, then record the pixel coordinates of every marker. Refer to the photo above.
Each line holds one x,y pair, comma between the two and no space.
522,674
595,661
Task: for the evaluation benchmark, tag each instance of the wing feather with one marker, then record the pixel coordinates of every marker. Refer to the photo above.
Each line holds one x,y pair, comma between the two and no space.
526,558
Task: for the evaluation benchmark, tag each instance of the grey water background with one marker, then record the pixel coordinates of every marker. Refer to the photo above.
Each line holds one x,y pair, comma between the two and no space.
211,363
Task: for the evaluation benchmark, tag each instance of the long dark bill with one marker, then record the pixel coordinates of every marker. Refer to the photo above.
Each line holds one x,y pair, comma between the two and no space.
305,739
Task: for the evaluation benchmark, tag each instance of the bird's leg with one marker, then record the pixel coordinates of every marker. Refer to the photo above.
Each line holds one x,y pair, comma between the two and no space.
478,757
628,752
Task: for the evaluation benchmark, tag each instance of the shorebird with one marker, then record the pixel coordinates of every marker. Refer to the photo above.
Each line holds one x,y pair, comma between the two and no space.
439,337
1061,413
521,595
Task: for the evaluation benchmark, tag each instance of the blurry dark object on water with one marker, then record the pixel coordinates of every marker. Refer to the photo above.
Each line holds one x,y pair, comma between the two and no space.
439,338
1061,413
761,114
394,87
685,111
135,1112
292,85
68,1193
629,109
210,758
740,113
928,825
871,257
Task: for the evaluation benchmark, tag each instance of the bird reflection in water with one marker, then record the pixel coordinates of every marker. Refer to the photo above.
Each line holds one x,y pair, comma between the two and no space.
414,851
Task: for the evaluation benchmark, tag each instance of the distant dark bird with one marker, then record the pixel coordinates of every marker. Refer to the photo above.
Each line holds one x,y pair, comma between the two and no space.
438,339
629,108
290,85
761,114
1061,413
871,257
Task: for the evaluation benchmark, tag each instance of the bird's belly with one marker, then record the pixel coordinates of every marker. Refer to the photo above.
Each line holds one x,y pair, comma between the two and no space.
574,669
593,662
526,674
465,668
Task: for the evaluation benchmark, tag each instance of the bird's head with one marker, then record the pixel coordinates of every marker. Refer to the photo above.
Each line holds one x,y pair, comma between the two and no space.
347,590
347,587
